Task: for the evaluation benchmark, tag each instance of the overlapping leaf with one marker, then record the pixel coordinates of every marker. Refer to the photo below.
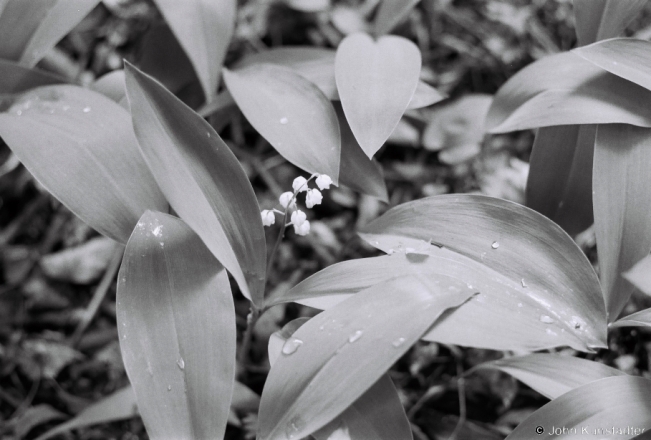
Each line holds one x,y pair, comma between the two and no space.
600,19
553,375
637,319
176,323
621,182
376,81
640,275
321,371
559,185
555,274
201,178
378,413
622,403
565,89
204,29
390,13
291,113
80,145
17,78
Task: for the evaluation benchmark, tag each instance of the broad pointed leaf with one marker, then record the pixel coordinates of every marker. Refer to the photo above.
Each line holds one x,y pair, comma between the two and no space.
19,20
80,145
637,319
357,170
600,19
377,414
176,323
565,89
555,273
622,205
390,13
640,275
118,406
60,19
560,176
376,81
204,29
321,371
291,113
625,57
17,78
201,178
553,375
317,65
622,403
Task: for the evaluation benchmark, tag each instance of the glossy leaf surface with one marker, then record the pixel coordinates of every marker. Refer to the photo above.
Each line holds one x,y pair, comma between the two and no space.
625,57
619,402
556,274
637,319
176,323
505,315
600,19
390,13
553,375
118,406
202,179
640,275
291,113
559,185
377,414
204,29
320,374
80,145
61,18
621,182
565,89
376,81
317,65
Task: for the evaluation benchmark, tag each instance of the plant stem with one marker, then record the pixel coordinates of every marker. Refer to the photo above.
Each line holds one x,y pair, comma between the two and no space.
251,319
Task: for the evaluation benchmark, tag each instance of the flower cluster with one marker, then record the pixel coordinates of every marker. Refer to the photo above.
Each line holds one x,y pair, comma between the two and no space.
287,200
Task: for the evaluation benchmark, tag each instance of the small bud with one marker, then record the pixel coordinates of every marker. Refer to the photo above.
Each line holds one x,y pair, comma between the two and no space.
285,199
268,217
298,217
300,184
323,181
313,197
303,228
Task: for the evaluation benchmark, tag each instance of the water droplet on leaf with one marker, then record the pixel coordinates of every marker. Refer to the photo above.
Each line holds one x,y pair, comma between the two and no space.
495,245
292,345
293,427
355,336
284,121
546,319
181,363
169,388
86,109
523,283
398,342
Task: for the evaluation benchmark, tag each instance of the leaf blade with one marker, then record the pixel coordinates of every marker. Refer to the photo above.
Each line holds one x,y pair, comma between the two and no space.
602,19
201,178
176,322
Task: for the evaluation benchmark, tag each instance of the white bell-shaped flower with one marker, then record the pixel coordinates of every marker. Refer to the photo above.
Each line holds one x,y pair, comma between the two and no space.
298,217
268,217
287,200
300,184
313,197
323,181
303,228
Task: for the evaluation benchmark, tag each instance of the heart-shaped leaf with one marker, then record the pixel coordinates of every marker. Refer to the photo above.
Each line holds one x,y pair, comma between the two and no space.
621,182
204,29
600,19
320,372
80,146
176,323
61,18
291,113
376,81
378,413
640,275
614,407
559,185
565,89
556,274
17,78
637,319
202,179
505,315
552,375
